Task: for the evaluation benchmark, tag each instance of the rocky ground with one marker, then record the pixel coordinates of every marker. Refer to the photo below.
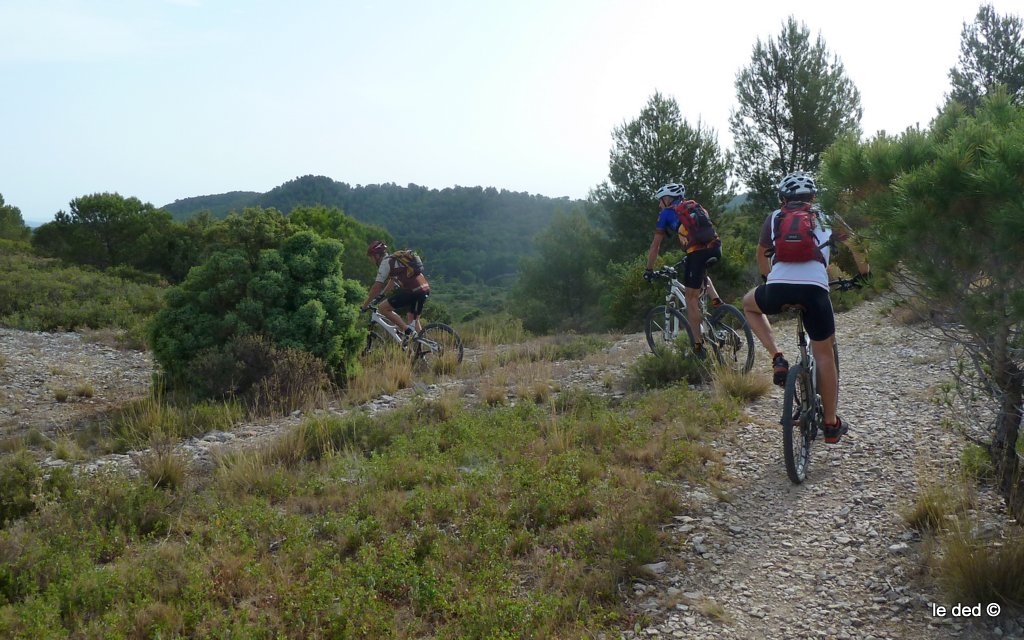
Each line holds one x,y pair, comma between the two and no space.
831,558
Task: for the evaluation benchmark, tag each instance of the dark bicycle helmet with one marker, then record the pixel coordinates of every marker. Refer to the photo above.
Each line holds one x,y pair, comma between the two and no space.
672,189
377,248
797,184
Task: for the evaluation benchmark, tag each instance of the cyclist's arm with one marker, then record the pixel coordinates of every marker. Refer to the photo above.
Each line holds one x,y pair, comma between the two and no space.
851,240
652,253
764,263
381,283
375,290
764,246
661,231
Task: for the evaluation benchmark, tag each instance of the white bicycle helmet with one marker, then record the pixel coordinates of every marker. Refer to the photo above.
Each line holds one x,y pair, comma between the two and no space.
672,189
797,183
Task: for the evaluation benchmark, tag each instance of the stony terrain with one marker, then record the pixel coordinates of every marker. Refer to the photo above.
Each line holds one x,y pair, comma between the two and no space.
830,558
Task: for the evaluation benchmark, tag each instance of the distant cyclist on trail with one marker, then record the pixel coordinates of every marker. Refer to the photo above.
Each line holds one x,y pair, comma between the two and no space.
403,269
793,254
689,222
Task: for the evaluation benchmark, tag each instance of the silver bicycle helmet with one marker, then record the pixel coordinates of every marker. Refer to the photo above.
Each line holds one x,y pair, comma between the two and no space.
797,183
672,189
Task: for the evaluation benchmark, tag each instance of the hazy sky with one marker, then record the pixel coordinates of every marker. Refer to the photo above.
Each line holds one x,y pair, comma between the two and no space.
166,99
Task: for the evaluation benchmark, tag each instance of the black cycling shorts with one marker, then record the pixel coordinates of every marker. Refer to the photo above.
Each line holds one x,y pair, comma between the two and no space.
405,299
697,266
819,320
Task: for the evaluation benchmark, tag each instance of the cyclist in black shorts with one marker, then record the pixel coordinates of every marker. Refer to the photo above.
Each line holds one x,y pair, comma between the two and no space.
688,221
412,294
790,281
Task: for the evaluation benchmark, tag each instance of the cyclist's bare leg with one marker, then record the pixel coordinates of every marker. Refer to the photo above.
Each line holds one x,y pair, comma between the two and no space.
759,323
388,312
693,312
414,322
828,378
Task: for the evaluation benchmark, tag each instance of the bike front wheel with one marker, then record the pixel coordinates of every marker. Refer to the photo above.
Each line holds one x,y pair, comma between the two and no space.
664,326
799,424
375,339
438,346
731,338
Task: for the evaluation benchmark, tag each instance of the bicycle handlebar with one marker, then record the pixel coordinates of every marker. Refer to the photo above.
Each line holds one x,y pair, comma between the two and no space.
373,304
846,284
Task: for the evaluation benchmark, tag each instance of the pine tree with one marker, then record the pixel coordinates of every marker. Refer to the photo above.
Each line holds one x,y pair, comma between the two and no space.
991,53
794,101
657,147
949,206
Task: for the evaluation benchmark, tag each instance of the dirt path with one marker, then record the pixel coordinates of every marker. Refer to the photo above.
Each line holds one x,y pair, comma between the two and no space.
830,558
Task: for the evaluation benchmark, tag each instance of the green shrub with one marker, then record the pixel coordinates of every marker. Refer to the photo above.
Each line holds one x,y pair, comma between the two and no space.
627,296
976,462
667,367
269,380
39,294
19,476
294,296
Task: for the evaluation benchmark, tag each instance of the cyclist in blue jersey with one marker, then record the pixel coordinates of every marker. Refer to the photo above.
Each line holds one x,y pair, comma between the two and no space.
688,221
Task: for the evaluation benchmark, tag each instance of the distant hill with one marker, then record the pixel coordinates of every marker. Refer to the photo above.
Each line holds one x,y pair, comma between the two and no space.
471,234
219,205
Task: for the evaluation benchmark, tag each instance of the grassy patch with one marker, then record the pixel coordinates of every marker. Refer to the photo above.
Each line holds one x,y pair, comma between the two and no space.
430,521
40,294
385,370
666,367
552,348
154,418
745,387
976,463
973,570
939,504
493,329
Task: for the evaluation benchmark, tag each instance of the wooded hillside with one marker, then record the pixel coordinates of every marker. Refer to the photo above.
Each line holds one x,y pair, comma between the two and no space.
471,234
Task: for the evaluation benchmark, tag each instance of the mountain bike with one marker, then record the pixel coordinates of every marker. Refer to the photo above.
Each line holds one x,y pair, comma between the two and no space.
802,412
725,331
434,342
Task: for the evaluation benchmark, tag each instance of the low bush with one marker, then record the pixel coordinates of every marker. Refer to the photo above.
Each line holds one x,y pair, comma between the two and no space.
41,294
19,477
667,367
294,297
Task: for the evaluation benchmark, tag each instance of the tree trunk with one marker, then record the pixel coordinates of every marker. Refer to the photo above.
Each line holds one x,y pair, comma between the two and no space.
1004,443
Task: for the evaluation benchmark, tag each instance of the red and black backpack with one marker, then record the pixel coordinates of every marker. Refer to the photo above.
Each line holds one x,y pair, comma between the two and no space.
696,221
793,232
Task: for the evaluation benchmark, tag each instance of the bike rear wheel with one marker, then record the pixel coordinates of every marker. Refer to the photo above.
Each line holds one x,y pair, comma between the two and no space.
799,424
731,338
664,326
438,345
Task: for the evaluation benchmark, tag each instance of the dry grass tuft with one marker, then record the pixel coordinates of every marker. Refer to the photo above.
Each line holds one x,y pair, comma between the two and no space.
937,504
385,371
975,570
164,468
745,387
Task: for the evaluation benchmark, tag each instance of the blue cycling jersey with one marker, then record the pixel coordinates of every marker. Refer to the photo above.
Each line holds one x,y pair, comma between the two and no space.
668,220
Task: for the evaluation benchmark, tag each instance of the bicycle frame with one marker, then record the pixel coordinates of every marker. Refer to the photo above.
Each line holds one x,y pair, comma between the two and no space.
377,318
676,299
